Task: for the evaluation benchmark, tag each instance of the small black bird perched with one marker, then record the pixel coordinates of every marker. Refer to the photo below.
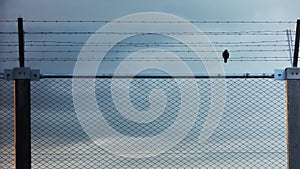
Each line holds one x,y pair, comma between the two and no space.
225,55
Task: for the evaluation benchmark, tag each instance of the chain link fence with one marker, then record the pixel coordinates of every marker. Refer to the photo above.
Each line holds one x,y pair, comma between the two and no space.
250,133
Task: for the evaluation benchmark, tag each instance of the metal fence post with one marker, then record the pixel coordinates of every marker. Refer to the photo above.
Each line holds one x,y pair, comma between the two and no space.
22,109
22,124
293,123
21,42
293,108
296,49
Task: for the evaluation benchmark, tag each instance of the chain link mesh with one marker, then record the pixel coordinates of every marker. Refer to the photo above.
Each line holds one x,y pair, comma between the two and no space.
251,132
6,124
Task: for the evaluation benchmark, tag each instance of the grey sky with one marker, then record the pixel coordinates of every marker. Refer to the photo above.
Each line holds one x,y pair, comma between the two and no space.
193,9
213,10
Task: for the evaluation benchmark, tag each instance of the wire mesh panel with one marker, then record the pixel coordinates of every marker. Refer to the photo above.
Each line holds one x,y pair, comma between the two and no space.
6,124
67,133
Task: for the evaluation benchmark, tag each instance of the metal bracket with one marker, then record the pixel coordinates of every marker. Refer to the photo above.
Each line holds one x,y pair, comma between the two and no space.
292,73
22,73
287,74
279,74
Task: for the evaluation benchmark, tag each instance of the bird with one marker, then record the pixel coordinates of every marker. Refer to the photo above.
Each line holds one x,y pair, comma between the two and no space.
225,55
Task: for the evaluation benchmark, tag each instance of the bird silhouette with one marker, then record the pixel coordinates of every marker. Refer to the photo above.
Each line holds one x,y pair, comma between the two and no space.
225,55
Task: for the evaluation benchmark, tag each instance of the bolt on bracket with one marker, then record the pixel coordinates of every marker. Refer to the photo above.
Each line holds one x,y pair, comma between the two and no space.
22,73
291,73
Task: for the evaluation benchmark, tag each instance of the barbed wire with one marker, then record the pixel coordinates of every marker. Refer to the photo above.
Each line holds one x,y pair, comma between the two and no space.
255,58
158,22
254,32
259,45
143,43
145,51
152,45
257,32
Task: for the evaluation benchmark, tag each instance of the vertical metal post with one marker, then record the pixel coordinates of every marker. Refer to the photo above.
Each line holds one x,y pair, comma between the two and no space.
290,41
21,41
296,50
293,108
22,124
22,130
293,123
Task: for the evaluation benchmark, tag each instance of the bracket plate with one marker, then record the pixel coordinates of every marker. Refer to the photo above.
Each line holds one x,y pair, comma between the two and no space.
279,74
22,73
292,73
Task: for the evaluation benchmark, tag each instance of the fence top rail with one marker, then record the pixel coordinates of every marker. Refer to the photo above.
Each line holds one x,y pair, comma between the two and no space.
166,76
198,76
245,75
147,75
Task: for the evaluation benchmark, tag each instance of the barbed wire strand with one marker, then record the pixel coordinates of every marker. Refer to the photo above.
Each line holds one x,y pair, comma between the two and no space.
262,33
150,45
186,58
145,51
158,22
145,43
114,60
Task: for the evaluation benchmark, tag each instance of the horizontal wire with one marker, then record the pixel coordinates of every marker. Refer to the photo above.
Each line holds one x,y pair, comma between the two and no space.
145,51
255,58
176,22
158,22
3,21
150,45
156,43
167,33
138,58
139,43
8,33
235,60
264,32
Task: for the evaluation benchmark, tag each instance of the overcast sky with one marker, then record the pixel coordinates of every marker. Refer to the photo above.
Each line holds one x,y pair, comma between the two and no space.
212,10
193,9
